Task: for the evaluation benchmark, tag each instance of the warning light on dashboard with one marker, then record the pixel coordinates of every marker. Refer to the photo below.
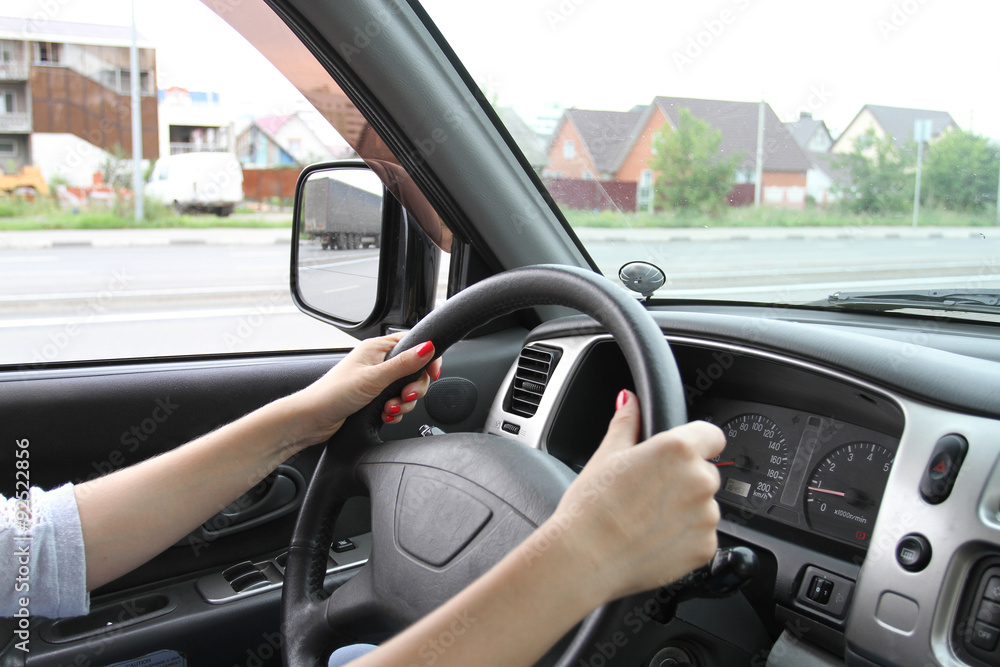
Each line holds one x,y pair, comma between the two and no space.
861,535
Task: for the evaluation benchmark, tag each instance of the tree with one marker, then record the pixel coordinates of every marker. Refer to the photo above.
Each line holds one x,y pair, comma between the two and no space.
693,174
881,176
961,172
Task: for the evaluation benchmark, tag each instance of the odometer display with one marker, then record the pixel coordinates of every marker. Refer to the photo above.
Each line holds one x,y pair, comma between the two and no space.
754,463
845,490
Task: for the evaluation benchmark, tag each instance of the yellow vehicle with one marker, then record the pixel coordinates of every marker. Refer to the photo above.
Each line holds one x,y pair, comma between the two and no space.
28,177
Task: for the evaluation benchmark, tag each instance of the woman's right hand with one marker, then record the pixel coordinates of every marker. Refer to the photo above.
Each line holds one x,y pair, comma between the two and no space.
643,515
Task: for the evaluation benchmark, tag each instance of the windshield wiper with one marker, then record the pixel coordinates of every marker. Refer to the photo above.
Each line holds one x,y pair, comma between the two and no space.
968,300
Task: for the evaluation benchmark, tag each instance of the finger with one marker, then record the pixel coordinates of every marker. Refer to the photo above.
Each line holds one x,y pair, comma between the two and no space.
623,430
434,370
404,364
704,440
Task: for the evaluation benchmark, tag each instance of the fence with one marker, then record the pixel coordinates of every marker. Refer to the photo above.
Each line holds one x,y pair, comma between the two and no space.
593,195
270,185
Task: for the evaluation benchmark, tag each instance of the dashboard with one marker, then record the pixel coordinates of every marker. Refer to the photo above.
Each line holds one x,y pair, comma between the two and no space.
876,511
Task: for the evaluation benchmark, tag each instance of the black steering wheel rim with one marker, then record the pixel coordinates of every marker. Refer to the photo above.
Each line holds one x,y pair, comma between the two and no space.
337,477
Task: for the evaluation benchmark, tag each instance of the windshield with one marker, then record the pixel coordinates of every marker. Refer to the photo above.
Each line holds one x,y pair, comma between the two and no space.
771,151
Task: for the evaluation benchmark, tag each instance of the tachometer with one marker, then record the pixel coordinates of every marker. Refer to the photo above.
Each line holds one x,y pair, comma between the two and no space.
845,490
755,462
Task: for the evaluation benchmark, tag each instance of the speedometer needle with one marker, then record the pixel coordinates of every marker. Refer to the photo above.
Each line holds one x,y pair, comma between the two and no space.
832,493
725,463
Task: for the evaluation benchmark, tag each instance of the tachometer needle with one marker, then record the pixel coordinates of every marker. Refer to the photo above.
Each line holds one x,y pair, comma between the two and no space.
832,493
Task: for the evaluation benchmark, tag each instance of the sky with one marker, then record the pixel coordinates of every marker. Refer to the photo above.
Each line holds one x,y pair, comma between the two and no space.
798,55
830,58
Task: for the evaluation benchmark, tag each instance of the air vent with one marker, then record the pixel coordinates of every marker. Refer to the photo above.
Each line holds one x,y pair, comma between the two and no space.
534,368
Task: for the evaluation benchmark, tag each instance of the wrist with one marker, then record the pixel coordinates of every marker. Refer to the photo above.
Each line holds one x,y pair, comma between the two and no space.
557,549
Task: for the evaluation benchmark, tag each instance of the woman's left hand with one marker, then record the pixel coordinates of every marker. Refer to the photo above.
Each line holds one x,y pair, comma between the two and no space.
358,380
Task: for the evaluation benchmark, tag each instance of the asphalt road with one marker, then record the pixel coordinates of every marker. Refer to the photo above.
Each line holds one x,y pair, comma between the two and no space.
72,303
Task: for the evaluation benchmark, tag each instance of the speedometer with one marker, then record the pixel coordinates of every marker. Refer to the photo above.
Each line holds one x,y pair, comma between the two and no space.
845,491
755,462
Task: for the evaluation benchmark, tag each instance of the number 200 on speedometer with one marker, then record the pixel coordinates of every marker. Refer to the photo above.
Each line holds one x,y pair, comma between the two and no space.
755,462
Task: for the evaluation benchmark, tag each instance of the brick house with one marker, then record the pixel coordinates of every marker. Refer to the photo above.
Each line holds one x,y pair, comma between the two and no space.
590,145
784,163
584,155
65,96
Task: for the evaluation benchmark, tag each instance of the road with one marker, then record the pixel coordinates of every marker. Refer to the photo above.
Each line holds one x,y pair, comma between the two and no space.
75,303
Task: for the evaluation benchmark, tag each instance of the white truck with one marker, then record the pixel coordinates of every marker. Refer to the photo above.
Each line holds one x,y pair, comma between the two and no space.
206,182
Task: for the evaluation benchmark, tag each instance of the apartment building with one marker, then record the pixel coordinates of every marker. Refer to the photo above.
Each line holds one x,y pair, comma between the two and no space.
65,96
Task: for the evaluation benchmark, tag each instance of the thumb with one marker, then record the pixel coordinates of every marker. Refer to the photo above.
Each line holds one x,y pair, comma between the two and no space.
623,431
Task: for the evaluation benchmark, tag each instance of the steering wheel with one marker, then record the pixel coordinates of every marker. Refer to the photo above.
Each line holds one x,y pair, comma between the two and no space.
447,508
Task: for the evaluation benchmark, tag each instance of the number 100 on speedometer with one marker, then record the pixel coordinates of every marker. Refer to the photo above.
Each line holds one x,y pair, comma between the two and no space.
755,462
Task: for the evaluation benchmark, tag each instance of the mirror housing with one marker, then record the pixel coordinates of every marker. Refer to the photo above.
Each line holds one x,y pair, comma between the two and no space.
357,262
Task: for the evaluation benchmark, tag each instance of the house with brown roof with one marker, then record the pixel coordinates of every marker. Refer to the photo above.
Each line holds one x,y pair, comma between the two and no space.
895,122
784,163
590,145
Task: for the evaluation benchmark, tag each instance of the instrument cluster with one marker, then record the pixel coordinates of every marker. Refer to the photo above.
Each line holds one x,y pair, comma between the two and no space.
800,468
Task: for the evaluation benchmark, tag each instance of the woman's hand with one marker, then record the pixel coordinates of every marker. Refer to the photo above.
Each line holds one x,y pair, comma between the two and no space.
642,515
356,381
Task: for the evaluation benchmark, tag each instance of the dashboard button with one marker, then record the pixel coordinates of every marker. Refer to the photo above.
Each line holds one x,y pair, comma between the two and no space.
985,636
913,552
989,612
820,590
340,546
992,591
825,591
942,469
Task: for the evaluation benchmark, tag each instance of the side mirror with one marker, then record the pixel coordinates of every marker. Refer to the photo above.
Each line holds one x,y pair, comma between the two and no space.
337,241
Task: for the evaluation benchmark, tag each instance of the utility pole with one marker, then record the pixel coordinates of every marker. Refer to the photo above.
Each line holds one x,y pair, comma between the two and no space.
134,77
759,175
922,133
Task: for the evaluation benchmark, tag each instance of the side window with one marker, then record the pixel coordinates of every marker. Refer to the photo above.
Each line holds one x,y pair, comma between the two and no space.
569,150
205,271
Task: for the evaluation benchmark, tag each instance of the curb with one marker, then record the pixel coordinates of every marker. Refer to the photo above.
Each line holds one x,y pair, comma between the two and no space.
692,234
134,238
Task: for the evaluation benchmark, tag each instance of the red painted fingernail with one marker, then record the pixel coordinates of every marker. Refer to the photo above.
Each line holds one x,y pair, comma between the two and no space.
621,400
425,349
394,409
412,396
437,374
388,419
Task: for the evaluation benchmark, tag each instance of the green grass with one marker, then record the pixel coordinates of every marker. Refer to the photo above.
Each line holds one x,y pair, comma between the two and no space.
770,217
111,221
19,215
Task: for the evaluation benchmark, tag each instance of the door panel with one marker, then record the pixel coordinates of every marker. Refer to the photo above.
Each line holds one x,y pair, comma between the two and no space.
87,420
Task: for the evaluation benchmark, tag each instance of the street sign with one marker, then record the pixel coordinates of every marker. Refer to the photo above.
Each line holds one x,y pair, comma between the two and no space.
922,130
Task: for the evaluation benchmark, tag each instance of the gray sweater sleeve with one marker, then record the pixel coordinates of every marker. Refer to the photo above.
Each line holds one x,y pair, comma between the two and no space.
42,563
